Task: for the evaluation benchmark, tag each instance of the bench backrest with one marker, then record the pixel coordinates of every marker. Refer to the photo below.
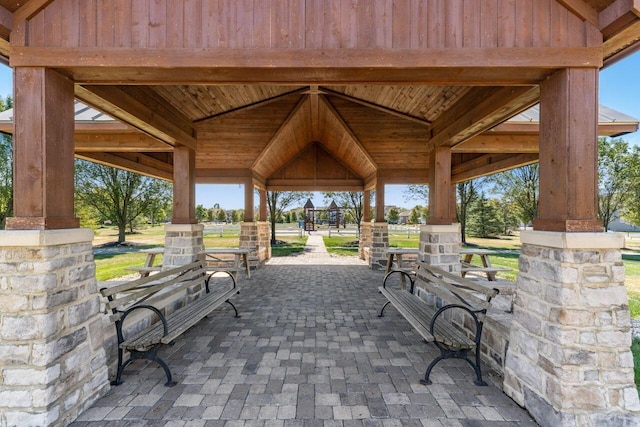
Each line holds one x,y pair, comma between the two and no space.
454,289
141,290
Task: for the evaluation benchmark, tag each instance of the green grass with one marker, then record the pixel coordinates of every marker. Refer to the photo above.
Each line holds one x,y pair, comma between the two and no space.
110,266
341,245
288,245
635,350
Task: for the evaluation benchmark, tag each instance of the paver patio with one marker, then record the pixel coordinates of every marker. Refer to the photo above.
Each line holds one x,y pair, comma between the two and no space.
309,350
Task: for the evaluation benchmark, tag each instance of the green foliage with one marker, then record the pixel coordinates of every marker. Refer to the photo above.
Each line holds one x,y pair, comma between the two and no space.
414,216
201,213
393,215
484,218
124,198
6,168
467,192
235,216
618,180
278,201
520,189
635,350
221,215
351,203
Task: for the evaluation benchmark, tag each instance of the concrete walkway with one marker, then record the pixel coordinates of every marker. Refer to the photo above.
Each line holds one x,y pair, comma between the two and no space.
309,350
315,253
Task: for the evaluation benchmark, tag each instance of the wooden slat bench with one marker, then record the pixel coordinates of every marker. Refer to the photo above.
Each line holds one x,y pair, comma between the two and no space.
455,293
126,298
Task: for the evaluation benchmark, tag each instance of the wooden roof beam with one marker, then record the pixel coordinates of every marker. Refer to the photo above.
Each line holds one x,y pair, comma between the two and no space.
479,110
377,107
122,142
490,164
21,19
618,16
499,143
138,163
163,123
582,10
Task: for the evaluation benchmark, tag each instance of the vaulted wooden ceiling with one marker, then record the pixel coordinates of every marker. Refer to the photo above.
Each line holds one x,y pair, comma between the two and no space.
255,89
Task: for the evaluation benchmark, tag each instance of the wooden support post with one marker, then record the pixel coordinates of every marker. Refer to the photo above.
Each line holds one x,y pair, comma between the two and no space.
569,152
366,206
248,201
43,151
441,191
380,200
263,205
184,186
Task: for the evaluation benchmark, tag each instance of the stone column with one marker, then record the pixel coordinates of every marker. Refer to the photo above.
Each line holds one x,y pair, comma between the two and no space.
256,237
183,244
52,360
440,246
379,245
366,240
569,360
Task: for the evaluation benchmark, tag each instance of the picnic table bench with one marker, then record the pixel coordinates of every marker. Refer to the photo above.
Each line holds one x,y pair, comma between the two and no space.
429,320
486,267
148,266
133,296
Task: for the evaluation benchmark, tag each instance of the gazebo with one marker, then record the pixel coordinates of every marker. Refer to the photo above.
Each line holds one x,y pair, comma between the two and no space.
317,95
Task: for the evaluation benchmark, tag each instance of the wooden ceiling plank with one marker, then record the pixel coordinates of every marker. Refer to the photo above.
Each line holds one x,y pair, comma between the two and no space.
284,127
376,107
120,105
252,105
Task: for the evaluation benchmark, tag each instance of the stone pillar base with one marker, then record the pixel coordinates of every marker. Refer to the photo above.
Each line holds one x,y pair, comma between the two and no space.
379,245
183,245
52,360
366,240
256,236
440,246
569,361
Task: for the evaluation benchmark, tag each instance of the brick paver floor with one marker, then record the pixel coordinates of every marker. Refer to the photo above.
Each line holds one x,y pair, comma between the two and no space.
309,350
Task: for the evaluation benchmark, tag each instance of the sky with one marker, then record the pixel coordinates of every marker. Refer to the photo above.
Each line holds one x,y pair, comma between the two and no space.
619,89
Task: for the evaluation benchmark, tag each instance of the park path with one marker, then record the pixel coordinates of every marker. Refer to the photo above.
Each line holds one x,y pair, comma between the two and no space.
315,253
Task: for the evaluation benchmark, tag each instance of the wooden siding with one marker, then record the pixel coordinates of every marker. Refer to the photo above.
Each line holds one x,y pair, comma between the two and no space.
306,24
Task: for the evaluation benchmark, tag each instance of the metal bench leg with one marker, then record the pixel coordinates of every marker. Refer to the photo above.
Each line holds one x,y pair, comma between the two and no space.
152,355
426,380
139,355
476,367
234,307
383,307
121,367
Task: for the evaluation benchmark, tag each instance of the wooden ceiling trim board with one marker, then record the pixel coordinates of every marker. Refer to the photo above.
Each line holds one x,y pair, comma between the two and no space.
284,127
315,112
404,176
490,164
376,107
253,105
123,142
116,161
133,112
319,59
479,111
354,139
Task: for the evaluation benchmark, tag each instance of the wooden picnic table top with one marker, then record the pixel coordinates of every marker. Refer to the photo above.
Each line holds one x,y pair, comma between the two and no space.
474,251
240,251
402,251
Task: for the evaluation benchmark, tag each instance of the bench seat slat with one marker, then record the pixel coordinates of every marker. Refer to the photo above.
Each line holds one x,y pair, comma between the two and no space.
179,321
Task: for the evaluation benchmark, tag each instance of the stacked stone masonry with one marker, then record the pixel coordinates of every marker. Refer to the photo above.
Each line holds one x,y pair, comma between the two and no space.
365,241
183,244
569,360
52,360
256,236
379,245
440,246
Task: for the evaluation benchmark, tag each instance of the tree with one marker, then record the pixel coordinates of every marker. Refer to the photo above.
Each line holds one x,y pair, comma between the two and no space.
278,201
521,187
467,192
201,213
484,218
417,191
617,177
221,216
120,196
6,169
393,215
414,216
234,216
351,202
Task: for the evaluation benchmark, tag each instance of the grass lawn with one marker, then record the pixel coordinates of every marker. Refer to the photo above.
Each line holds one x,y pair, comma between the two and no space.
341,245
288,245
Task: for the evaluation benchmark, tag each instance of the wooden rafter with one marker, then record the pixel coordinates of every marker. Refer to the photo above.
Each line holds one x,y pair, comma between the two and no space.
582,10
480,110
618,16
253,105
384,109
21,18
118,142
489,164
165,125
138,163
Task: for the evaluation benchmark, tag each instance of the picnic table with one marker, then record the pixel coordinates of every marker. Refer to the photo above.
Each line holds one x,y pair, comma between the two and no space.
218,256
397,253
486,267
148,266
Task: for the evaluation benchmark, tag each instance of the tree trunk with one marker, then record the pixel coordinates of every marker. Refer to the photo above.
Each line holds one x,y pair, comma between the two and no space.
273,232
121,233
